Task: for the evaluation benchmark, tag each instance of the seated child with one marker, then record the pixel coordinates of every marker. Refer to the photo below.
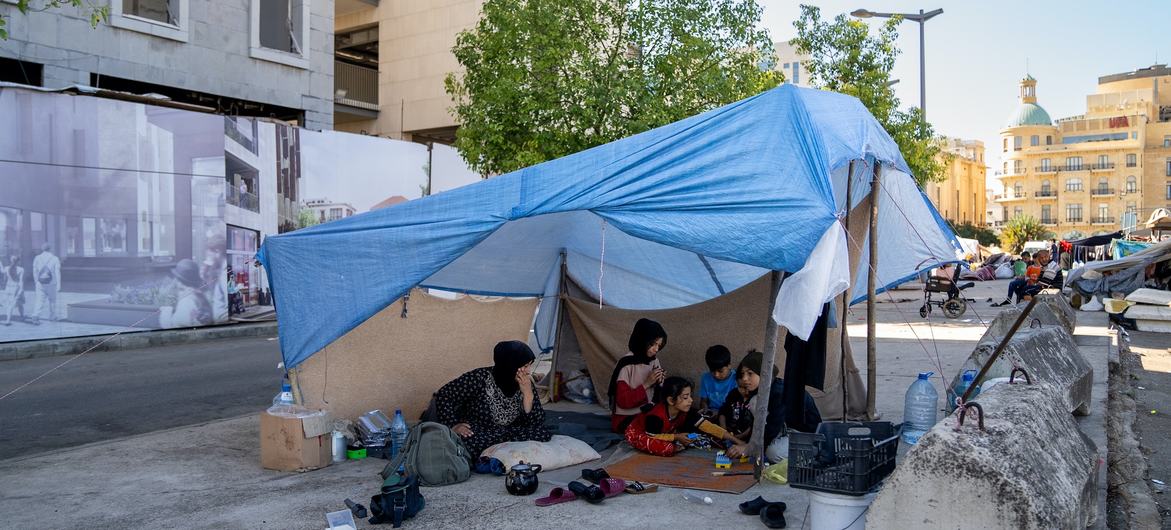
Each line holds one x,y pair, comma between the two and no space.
718,381
736,413
663,430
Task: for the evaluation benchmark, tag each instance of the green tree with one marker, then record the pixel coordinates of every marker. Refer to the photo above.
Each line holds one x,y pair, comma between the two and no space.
90,9
845,57
1020,230
307,218
546,78
982,234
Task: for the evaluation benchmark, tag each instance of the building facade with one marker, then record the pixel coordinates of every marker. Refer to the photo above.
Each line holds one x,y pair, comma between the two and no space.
792,64
325,210
1080,176
234,57
961,197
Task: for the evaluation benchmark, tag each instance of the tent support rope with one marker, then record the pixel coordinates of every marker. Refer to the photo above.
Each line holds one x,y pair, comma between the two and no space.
766,374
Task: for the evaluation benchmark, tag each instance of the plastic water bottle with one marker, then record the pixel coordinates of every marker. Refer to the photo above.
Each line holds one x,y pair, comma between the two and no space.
285,397
965,382
919,408
697,498
398,433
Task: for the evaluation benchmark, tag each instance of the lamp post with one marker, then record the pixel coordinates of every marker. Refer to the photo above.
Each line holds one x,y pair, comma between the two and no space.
919,17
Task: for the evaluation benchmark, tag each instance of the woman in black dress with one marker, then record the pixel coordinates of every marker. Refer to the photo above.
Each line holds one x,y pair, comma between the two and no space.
494,404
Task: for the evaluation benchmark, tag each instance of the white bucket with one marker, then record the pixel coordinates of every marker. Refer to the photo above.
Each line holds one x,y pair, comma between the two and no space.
830,511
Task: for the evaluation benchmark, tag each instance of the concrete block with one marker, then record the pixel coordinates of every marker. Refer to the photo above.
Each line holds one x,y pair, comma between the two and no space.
1030,468
1049,355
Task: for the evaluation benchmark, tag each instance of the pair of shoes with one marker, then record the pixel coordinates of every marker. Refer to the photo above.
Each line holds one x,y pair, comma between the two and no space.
635,487
595,475
591,493
1002,303
772,514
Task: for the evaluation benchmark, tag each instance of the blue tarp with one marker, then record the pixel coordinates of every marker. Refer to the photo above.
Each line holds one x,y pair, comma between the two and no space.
669,217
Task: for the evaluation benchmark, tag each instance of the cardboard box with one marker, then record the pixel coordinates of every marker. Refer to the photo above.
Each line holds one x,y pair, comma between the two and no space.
295,444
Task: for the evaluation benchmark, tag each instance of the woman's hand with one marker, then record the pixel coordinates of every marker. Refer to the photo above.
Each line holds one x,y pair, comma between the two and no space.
463,430
654,378
525,382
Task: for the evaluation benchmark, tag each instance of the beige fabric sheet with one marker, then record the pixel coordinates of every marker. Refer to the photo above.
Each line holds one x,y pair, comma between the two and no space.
391,362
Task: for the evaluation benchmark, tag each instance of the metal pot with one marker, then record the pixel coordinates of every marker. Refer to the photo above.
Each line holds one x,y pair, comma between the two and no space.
522,479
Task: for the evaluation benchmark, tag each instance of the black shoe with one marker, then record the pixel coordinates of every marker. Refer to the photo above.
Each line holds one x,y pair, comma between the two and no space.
753,506
773,515
591,493
1003,303
595,475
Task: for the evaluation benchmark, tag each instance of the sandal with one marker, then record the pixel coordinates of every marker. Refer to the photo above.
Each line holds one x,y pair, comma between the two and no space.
612,486
556,496
591,493
595,475
635,487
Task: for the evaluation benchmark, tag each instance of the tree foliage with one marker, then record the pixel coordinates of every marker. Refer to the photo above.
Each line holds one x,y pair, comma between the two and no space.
546,78
982,234
95,12
846,57
1020,230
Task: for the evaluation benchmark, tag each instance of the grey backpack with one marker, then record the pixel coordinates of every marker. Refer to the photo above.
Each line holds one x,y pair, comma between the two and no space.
434,455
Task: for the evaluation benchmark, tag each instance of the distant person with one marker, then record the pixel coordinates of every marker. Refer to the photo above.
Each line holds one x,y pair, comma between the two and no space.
47,278
1042,274
13,276
718,381
1019,266
211,271
1054,250
191,307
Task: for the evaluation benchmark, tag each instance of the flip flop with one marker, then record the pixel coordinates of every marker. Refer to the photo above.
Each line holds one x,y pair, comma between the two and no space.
591,493
556,496
612,486
595,475
635,487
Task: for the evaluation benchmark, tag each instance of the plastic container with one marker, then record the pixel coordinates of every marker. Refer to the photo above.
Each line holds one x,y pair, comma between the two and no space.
847,458
398,433
285,396
341,520
339,446
697,498
965,382
920,408
828,511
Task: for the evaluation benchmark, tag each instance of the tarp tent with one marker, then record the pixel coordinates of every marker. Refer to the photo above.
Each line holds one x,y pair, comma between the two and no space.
672,216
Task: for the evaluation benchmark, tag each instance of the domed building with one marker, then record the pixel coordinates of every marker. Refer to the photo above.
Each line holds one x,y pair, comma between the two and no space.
1081,175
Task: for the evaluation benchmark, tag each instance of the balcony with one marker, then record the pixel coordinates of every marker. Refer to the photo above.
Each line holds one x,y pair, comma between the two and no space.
1097,192
1102,167
242,199
355,91
1046,169
1072,167
1046,194
1050,221
1077,219
1101,220
1074,189
1010,196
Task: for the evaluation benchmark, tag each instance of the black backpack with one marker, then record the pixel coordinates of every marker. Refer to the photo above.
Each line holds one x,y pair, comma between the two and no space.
400,499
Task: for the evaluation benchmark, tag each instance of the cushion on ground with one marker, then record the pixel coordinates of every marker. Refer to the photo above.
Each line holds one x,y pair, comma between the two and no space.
1150,296
1149,312
560,451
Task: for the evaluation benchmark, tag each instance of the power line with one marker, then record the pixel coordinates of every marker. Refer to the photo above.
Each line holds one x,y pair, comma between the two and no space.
100,168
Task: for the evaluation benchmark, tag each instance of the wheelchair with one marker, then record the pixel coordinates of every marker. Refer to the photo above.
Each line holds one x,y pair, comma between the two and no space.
947,294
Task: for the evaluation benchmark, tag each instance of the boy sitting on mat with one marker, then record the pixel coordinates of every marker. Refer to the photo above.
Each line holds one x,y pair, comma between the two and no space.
737,412
717,382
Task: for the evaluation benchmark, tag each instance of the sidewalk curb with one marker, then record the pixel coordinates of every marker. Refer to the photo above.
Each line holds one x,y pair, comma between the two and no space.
33,349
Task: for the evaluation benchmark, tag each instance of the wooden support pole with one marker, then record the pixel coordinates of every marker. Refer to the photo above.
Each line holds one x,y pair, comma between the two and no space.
846,296
766,377
871,287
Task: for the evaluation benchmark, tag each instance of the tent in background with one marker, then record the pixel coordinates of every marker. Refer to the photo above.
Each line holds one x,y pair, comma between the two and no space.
667,218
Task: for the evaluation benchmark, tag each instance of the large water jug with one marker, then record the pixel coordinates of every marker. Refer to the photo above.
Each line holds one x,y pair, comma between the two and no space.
919,408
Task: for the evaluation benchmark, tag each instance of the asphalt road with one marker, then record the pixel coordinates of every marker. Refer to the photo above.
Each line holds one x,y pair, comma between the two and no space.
106,395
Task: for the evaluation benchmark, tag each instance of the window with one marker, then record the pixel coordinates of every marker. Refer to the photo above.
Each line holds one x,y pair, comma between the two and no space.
1073,213
1018,190
1103,212
1103,184
1045,187
1073,184
1131,206
1045,165
1167,141
1016,143
785,66
1169,167
1169,191
1134,135
1103,161
1073,163
280,31
1034,140
1048,140
1006,144
1131,160
1131,184
1046,214
1018,166
796,73
1017,212
161,18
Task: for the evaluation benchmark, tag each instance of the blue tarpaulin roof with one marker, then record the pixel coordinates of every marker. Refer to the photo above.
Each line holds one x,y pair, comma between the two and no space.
665,218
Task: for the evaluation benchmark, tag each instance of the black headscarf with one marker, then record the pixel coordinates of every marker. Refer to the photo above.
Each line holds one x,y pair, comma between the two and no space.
508,357
645,332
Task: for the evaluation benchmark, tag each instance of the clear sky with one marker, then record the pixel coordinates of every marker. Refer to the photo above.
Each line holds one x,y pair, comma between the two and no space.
977,51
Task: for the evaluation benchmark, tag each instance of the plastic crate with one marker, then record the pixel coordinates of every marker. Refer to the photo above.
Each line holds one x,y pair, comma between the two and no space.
846,458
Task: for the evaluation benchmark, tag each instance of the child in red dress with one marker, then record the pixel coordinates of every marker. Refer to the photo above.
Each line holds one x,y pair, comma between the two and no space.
663,430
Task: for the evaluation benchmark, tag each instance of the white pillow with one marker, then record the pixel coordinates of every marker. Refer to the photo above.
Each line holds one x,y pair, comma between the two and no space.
560,451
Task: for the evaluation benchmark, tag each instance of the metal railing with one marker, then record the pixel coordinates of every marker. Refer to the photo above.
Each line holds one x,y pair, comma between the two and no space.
1077,219
1046,169
243,199
1045,194
1101,191
1102,167
1048,220
1101,220
1072,167
355,85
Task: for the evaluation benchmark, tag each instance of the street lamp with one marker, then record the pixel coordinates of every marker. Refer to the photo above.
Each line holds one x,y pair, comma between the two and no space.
919,17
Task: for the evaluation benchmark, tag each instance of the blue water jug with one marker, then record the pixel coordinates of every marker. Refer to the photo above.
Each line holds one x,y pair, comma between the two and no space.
919,408
966,381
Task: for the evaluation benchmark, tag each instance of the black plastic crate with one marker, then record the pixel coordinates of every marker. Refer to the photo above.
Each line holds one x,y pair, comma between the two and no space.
847,458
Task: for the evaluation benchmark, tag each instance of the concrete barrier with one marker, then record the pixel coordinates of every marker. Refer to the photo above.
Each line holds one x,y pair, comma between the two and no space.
1030,468
1048,354
1051,310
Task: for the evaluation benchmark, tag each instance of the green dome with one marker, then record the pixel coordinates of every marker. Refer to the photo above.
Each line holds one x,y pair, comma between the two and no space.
1029,114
